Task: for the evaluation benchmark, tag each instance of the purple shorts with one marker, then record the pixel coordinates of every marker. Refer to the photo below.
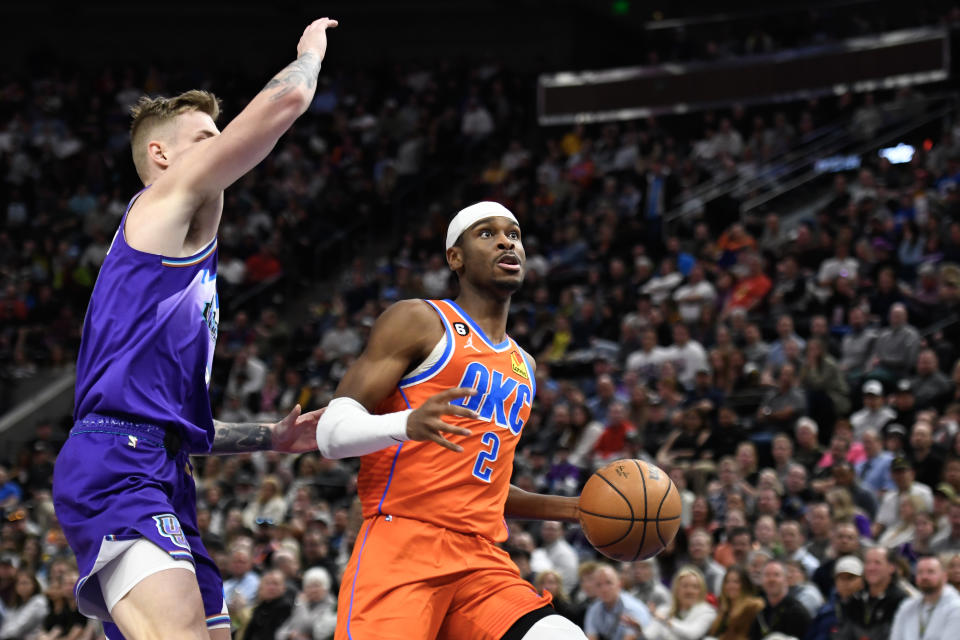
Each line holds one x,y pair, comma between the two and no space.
115,482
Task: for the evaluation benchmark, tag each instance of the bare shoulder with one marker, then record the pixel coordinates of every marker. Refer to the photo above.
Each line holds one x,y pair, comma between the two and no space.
408,322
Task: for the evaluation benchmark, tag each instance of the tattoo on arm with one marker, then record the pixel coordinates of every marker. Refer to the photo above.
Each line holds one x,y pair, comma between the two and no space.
301,72
232,437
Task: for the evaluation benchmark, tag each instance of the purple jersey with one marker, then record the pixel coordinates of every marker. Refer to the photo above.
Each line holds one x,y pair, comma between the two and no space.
148,340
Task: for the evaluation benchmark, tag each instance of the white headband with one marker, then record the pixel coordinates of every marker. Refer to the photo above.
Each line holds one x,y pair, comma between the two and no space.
473,214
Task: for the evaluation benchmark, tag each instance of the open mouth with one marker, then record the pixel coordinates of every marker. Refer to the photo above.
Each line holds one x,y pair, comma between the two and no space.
509,262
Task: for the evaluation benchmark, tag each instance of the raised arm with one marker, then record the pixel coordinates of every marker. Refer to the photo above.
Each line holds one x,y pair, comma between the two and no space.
189,167
222,160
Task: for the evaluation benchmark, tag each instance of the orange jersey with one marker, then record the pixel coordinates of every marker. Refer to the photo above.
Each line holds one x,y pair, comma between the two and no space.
464,491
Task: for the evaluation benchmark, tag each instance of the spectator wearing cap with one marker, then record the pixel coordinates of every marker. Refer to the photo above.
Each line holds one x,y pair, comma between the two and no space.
931,387
895,439
951,543
833,618
896,348
935,613
782,612
782,405
925,457
943,496
888,515
872,609
844,541
856,347
904,403
874,471
874,414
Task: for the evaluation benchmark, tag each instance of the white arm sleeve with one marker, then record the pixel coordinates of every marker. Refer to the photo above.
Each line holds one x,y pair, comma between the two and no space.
347,430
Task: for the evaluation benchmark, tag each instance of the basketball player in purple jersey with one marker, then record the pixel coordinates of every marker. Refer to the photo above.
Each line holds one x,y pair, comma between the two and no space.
123,489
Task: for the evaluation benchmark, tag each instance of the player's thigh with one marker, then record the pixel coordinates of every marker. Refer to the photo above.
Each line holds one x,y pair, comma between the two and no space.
488,603
390,589
164,605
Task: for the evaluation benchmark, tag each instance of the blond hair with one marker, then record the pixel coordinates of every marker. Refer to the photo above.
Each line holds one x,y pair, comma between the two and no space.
688,571
149,113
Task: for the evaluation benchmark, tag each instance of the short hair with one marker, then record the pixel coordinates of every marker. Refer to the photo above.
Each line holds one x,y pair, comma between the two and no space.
740,531
149,112
317,575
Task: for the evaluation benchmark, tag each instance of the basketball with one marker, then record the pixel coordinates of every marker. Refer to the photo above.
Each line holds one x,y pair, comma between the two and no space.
630,510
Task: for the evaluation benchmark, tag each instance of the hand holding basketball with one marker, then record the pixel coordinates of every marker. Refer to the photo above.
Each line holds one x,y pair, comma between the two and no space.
630,510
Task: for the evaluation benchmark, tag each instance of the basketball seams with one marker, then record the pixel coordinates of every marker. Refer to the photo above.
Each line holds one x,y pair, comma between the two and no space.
605,516
643,534
601,515
629,506
659,508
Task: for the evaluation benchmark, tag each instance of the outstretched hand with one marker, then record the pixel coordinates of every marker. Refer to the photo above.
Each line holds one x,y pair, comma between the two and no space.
425,422
296,433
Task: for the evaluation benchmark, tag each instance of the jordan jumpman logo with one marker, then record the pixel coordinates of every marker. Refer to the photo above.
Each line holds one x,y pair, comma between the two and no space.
469,344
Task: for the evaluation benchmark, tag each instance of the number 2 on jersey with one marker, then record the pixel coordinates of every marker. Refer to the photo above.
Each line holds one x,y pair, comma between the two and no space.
481,469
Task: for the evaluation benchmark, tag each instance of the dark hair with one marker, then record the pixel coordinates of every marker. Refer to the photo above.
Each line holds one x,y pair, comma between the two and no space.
15,599
739,531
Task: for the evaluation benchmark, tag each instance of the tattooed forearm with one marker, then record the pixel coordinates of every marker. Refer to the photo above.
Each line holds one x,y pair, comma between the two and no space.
302,72
231,437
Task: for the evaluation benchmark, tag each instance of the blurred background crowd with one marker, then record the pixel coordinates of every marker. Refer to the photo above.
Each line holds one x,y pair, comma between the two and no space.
795,368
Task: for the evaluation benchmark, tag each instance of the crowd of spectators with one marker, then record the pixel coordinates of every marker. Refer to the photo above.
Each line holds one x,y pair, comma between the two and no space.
801,386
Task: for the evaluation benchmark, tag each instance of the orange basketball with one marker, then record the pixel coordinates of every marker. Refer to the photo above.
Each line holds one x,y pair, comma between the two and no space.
630,510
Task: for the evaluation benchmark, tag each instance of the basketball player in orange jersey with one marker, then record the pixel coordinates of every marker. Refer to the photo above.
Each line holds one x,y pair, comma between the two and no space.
439,372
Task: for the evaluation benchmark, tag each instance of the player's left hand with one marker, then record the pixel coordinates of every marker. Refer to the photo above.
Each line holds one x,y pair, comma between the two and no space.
296,433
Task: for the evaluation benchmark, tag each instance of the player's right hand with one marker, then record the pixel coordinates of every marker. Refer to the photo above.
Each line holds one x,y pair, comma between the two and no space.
425,422
314,37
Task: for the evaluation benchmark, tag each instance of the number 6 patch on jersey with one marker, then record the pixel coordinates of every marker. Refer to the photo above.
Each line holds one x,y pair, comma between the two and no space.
461,328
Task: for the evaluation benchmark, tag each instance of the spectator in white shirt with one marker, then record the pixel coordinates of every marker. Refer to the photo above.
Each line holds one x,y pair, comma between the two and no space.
689,356
689,616
875,414
691,297
888,515
935,614
562,555
791,535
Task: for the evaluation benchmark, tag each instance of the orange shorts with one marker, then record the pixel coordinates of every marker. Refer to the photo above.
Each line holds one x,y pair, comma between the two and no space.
411,580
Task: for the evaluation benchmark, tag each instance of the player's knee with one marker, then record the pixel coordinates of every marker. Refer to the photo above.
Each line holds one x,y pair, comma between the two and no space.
554,627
